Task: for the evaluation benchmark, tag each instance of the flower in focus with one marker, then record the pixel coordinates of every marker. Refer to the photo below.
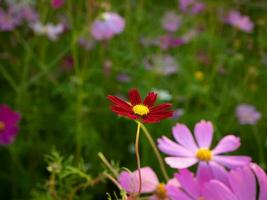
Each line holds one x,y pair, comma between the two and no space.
185,152
9,120
57,3
50,30
239,21
107,25
150,184
144,111
247,114
171,22
191,6
9,20
162,64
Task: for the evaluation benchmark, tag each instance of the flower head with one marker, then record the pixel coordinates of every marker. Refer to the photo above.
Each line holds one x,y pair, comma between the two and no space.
185,152
239,21
191,6
50,30
8,124
9,20
57,3
138,110
247,114
107,25
171,22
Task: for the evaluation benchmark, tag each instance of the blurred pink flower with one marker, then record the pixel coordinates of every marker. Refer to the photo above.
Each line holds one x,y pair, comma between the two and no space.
191,6
247,114
9,120
107,25
168,41
185,152
57,3
150,184
9,19
239,21
171,22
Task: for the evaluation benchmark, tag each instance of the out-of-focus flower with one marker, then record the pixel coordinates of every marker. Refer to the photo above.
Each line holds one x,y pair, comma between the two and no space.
57,3
185,152
87,44
107,25
178,113
9,120
124,78
203,58
199,75
162,64
50,30
9,20
168,41
247,114
191,34
170,21
163,95
137,109
28,14
67,63
150,183
239,21
191,6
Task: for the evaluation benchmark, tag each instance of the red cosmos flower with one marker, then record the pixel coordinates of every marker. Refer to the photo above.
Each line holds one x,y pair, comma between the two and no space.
136,109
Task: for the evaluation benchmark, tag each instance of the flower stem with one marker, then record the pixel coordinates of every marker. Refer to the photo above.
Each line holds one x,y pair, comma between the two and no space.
259,144
156,151
138,156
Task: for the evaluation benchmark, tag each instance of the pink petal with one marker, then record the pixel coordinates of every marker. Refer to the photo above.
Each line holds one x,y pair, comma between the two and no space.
173,149
130,180
204,173
219,173
181,162
262,179
175,193
243,183
228,143
183,135
188,183
232,161
216,190
204,133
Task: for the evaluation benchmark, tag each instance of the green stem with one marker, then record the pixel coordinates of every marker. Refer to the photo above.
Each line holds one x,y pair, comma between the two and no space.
156,151
138,156
259,144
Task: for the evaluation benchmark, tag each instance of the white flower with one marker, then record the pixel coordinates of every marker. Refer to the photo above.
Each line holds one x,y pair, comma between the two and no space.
50,30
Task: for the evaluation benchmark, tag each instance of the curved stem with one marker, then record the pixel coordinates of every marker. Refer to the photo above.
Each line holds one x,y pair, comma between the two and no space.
259,144
138,156
156,151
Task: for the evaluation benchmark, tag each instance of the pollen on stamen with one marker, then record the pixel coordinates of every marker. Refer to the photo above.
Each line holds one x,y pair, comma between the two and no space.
140,109
161,191
204,154
2,126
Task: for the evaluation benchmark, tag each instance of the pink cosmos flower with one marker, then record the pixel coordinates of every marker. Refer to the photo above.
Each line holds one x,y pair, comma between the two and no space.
107,25
150,184
239,21
186,152
247,114
9,120
57,3
171,22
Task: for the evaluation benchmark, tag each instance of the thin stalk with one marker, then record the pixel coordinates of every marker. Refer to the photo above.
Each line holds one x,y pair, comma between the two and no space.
156,151
107,164
259,144
138,156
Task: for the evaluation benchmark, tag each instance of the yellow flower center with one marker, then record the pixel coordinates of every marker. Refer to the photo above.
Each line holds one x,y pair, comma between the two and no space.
161,191
204,154
200,198
140,109
2,126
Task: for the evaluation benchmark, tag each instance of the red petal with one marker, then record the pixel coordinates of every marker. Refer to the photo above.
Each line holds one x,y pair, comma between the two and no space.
160,108
153,118
134,97
150,99
119,102
122,112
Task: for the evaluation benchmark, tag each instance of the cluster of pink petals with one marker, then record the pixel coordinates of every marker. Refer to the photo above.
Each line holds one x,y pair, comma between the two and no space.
247,114
183,152
107,25
170,21
191,6
239,21
240,184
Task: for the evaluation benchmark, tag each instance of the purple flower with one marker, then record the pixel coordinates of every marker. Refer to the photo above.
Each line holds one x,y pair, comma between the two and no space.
178,113
247,114
171,22
168,41
87,44
9,20
9,120
185,152
107,25
28,14
191,6
129,181
239,21
57,3
124,78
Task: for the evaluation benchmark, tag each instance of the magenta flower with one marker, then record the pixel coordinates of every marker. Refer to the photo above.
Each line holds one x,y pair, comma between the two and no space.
242,185
247,114
191,6
57,3
168,41
185,152
171,22
239,21
9,20
150,184
107,25
28,14
9,120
